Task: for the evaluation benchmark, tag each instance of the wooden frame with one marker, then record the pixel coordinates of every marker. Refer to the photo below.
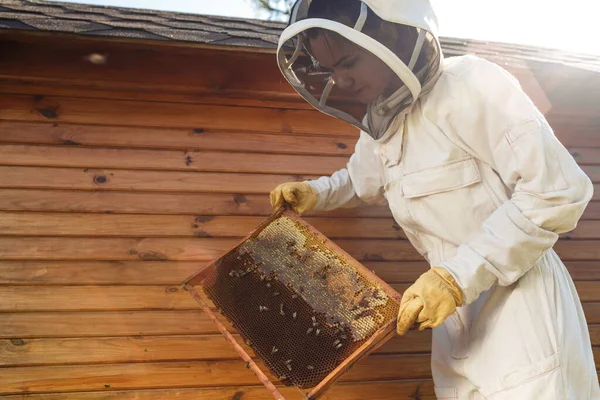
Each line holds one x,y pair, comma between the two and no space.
381,336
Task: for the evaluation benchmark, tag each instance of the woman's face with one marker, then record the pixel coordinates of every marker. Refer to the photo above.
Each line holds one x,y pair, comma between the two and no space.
356,71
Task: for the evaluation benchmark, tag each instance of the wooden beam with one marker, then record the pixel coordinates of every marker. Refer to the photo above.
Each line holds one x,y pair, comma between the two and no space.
381,390
104,350
222,204
193,373
200,69
169,160
130,180
174,139
169,115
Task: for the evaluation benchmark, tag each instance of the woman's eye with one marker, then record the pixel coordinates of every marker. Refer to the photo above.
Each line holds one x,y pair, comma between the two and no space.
350,63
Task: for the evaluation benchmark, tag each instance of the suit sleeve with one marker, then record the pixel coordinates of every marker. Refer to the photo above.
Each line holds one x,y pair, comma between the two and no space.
357,184
497,121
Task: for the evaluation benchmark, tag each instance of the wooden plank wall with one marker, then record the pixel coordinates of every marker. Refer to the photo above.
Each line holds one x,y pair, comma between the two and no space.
109,198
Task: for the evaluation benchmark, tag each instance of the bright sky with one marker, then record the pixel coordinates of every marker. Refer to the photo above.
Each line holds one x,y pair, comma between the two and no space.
569,25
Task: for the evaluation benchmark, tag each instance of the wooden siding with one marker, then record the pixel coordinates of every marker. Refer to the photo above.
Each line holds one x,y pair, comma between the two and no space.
116,185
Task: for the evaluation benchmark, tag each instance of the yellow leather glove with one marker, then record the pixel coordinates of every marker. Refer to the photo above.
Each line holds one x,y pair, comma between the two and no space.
429,301
300,195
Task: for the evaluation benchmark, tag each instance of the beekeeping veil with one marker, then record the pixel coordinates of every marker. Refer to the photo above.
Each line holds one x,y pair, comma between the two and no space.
418,72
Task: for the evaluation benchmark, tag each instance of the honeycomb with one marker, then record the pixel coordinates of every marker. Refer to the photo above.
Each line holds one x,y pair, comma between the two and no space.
301,305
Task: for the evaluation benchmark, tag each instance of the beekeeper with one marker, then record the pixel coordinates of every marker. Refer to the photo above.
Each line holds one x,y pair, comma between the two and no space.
475,177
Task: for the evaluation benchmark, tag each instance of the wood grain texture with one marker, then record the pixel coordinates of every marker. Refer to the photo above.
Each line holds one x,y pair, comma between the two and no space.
98,324
192,373
104,350
177,139
79,224
382,390
220,204
48,87
187,374
169,160
143,66
170,115
129,180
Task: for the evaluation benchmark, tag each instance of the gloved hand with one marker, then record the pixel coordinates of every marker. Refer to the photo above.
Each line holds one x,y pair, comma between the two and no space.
300,195
429,301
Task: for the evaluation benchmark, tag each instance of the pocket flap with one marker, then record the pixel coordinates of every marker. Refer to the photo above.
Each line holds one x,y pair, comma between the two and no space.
454,175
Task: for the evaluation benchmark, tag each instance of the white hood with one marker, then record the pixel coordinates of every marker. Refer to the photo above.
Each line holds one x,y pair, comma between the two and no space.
317,86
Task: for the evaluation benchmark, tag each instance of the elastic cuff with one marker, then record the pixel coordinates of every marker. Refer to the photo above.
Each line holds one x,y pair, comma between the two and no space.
454,288
321,188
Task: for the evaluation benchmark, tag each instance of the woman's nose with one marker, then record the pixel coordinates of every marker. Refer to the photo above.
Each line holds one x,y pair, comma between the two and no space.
343,81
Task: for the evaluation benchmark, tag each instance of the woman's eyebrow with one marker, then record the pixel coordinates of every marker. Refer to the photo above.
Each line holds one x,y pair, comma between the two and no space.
341,60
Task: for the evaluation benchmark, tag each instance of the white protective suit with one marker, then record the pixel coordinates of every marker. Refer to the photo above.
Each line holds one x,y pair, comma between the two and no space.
474,175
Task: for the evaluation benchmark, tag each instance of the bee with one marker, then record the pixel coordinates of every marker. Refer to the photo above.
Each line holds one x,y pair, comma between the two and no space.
274,350
294,315
310,367
336,343
309,331
263,308
339,346
281,309
317,332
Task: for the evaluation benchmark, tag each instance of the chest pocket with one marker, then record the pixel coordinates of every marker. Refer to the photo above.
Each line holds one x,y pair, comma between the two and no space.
447,201
441,179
